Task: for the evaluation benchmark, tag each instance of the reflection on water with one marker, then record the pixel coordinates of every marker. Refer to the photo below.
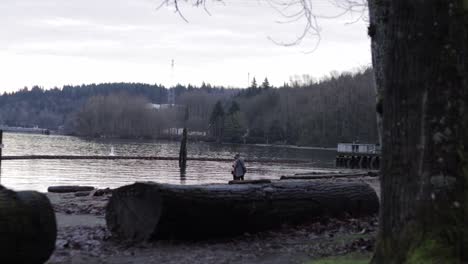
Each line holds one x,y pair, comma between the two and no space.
39,174
183,175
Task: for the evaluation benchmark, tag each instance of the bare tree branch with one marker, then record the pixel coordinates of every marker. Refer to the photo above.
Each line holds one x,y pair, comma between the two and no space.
289,9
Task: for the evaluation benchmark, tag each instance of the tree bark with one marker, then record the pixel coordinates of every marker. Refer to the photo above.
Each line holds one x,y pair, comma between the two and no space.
27,226
144,211
378,50
419,53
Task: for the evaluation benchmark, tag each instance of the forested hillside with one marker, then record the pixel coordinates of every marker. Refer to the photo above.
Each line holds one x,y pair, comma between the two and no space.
336,109
52,108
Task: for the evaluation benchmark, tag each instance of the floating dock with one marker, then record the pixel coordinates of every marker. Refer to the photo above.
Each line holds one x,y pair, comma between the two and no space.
358,156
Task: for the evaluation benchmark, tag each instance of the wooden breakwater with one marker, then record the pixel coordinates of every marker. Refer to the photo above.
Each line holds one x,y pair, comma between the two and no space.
358,161
97,157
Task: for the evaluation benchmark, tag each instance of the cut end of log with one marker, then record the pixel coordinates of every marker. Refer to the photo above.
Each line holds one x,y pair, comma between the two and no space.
133,211
28,227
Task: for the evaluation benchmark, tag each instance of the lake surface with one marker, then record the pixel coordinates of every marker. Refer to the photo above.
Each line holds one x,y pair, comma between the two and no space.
40,174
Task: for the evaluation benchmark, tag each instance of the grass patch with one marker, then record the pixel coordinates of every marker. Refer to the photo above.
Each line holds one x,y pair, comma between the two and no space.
353,258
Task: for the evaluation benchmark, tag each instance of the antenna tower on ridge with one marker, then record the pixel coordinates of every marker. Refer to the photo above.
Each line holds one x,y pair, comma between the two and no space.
171,92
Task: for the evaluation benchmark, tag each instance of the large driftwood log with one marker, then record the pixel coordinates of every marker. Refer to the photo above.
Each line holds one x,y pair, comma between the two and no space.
27,227
325,176
69,189
144,211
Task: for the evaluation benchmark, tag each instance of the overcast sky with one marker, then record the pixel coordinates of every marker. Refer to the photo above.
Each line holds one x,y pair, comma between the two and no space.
56,42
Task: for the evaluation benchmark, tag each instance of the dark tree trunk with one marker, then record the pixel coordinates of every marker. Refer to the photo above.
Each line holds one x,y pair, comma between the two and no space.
378,51
149,210
420,62
1,147
27,227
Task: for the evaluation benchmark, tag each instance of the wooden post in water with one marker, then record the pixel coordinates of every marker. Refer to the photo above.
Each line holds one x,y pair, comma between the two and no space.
183,151
183,147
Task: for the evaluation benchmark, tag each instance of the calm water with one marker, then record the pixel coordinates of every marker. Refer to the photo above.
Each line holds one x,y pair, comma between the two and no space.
39,174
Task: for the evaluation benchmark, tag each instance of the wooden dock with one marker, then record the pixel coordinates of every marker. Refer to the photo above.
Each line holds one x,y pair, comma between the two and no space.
358,156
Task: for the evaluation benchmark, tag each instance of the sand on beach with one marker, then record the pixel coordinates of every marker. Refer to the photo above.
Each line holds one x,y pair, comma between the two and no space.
83,238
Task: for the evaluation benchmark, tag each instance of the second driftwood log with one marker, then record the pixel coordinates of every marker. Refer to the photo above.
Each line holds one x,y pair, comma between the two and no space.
28,228
144,211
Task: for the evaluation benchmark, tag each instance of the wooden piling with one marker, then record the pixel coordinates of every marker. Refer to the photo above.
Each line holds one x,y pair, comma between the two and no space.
358,161
183,151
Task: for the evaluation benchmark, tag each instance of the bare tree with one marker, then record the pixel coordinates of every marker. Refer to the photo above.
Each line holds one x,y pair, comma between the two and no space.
118,115
420,58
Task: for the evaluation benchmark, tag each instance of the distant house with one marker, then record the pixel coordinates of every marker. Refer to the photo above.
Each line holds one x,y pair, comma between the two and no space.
163,106
174,130
158,106
178,131
197,133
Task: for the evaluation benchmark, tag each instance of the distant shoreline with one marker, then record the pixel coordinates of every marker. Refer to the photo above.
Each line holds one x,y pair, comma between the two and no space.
40,131
281,146
26,130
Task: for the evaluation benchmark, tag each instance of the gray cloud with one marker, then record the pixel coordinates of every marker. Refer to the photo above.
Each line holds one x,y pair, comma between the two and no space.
141,40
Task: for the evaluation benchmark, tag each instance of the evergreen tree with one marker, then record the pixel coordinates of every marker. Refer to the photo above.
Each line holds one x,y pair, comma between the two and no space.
253,89
218,112
233,125
254,84
275,133
234,108
291,132
266,84
233,128
186,116
217,121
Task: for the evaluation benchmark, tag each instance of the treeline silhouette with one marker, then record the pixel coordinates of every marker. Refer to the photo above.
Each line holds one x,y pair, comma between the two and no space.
340,108
55,108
